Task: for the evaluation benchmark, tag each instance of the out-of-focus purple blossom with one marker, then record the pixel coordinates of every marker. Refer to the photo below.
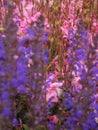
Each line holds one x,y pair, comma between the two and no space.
45,59
50,77
50,104
68,104
71,123
68,101
2,55
21,89
71,34
51,126
84,33
81,54
31,32
6,3
94,72
15,122
25,50
86,126
22,79
78,113
40,119
2,49
21,69
95,106
70,60
22,60
46,52
91,82
73,42
6,112
5,95
91,122
14,82
45,38
2,70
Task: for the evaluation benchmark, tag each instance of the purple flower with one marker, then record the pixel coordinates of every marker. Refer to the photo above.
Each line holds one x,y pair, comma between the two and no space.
46,52
51,105
22,89
86,126
2,71
6,3
78,113
40,119
84,33
71,34
81,54
21,68
70,123
45,38
2,51
45,59
50,126
31,32
15,122
6,112
4,95
95,106
22,60
73,42
22,79
68,102
14,82
2,55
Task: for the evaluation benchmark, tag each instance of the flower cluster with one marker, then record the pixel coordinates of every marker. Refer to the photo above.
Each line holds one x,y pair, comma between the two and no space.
49,65
82,100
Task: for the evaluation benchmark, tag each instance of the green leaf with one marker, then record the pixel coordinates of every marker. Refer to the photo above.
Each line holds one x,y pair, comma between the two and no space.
25,127
42,128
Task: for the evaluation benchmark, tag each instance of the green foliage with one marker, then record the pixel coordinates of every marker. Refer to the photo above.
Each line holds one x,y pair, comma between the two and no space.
25,127
42,128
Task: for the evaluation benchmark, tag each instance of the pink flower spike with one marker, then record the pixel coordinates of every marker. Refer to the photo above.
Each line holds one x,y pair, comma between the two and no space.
54,119
15,57
52,93
35,17
57,84
29,6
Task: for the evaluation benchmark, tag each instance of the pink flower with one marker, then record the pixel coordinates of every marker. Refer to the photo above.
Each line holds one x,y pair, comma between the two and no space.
29,6
35,17
54,91
64,30
76,84
54,119
15,57
47,23
79,5
51,2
